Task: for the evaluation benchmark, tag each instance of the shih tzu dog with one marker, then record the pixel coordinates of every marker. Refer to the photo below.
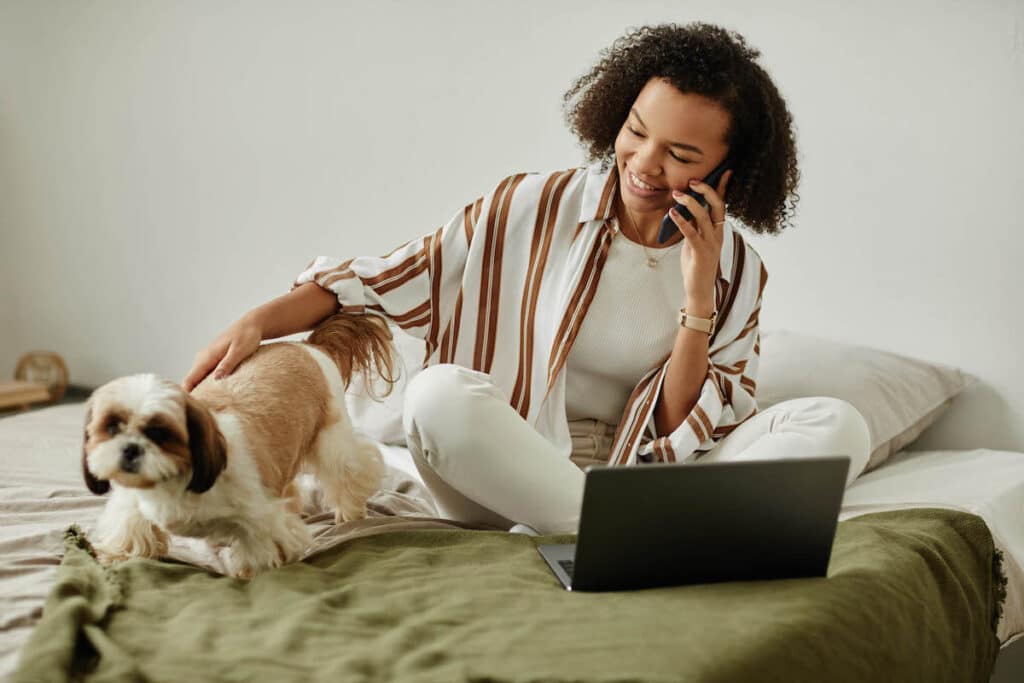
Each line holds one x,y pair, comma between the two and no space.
220,463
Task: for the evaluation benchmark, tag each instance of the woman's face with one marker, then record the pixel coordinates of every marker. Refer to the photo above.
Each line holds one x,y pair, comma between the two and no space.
668,138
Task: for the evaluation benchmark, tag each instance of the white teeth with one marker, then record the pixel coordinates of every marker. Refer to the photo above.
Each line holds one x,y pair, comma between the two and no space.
639,183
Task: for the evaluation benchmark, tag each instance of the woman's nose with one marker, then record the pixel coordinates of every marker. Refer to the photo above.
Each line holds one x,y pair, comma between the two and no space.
644,161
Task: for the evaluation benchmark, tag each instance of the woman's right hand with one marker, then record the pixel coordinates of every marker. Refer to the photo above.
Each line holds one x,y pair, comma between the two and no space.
223,355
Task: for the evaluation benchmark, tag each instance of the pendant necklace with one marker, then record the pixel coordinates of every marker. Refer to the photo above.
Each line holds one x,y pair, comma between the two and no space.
652,262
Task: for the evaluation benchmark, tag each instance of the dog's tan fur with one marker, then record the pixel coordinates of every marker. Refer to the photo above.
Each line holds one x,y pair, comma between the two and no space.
283,418
284,414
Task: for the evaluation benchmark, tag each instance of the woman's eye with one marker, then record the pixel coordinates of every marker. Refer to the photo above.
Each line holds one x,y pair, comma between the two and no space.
640,135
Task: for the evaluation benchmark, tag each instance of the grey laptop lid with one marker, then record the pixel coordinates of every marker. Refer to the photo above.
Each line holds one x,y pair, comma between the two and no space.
666,524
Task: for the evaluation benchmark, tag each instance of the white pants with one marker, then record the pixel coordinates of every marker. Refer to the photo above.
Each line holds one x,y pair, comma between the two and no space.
484,464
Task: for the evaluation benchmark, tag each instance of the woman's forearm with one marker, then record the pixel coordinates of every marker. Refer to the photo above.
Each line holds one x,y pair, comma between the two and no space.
687,370
297,311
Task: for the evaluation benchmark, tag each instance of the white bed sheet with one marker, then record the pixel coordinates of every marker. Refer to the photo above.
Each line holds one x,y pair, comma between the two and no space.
41,493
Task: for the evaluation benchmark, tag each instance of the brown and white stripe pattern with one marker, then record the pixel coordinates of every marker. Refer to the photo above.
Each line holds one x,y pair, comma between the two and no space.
470,215
505,285
727,397
638,409
490,276
540,247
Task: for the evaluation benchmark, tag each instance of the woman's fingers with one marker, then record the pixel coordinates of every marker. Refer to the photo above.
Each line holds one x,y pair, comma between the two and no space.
205,361
685,226
226,352
231,359
701,222
713,196
200,369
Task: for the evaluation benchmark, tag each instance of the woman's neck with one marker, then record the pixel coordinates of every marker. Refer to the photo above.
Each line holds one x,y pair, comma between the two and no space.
646,227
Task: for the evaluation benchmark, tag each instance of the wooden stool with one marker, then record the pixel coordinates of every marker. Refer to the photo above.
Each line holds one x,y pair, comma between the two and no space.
40,377
19,394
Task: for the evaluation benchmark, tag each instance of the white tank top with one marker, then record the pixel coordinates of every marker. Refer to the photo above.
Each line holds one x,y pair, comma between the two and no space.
631,326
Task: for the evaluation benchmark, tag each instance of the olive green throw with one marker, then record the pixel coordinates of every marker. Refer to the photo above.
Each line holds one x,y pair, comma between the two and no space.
912,595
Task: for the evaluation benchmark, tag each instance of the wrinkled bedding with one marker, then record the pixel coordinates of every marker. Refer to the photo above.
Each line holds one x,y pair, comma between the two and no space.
41,495
910,595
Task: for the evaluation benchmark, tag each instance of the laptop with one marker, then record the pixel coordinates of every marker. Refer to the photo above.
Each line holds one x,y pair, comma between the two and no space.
666,524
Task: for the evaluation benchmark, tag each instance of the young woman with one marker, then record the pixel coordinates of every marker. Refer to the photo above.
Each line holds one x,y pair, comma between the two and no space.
559,332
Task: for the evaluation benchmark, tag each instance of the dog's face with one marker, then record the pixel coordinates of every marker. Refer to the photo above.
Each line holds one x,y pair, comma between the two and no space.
141,431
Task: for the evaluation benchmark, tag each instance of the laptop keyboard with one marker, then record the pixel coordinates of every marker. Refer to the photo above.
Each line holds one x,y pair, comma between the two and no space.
567,566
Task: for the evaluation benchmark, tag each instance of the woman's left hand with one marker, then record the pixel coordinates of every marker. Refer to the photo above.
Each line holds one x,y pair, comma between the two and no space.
702,248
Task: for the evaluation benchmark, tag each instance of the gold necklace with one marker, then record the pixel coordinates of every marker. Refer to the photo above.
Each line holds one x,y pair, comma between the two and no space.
651,261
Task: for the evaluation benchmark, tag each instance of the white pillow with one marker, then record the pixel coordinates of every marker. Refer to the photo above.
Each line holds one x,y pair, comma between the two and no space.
381,419
898,396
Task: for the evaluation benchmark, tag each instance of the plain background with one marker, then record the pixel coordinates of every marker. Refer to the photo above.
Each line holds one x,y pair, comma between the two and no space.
166,166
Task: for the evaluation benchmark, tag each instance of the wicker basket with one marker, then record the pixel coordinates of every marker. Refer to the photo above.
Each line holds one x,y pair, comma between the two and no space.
46,368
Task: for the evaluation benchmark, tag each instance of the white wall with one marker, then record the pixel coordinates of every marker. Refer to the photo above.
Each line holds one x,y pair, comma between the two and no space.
165,166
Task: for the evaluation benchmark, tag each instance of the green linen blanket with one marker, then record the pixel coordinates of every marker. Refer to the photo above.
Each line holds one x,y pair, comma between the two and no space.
911,595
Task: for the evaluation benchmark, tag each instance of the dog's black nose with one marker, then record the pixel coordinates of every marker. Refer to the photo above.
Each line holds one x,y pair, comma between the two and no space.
130,457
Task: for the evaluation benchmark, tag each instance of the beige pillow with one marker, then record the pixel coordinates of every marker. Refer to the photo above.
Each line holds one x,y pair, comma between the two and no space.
898,396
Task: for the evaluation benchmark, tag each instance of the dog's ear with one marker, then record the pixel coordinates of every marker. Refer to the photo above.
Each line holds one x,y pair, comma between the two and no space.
207,444
97,486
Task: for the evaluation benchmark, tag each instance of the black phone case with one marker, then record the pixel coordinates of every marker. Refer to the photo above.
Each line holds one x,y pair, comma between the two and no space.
668,226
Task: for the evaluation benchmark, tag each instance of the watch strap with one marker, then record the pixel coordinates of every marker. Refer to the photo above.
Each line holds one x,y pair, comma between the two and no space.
706,325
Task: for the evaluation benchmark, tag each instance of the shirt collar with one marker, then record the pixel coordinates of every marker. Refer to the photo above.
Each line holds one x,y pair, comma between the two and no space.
599,190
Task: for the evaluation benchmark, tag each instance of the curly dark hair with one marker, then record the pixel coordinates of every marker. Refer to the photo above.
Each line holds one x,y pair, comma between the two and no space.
718,64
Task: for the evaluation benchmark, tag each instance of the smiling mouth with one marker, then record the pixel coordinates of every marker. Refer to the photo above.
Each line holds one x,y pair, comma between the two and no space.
639,185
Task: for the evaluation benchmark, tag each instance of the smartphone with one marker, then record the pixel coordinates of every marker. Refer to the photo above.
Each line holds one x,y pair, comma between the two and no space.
668,226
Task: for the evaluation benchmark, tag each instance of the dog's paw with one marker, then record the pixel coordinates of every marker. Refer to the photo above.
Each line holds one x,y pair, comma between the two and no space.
286,553
108,556
245,562
243,573
284,541
123,548
349,513
240,567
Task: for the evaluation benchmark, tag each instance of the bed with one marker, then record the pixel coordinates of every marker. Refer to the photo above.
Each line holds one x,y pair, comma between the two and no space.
42,496
925,580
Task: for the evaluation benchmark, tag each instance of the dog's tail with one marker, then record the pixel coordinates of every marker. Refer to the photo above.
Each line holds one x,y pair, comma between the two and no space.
358,344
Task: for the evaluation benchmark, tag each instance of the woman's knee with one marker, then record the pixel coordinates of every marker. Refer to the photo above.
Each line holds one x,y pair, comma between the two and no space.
431,388
848,434
442,398
431,383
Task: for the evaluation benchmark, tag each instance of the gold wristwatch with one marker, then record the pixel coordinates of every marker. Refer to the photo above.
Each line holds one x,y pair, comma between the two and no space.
706,325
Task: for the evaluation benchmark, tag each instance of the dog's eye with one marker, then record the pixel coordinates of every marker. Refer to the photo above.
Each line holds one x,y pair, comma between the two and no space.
114,426
157,435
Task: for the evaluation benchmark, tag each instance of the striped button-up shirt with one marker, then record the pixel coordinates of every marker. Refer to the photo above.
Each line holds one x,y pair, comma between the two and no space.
503,288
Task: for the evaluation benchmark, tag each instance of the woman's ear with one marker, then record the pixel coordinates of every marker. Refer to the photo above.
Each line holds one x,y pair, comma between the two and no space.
206,443
97,486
